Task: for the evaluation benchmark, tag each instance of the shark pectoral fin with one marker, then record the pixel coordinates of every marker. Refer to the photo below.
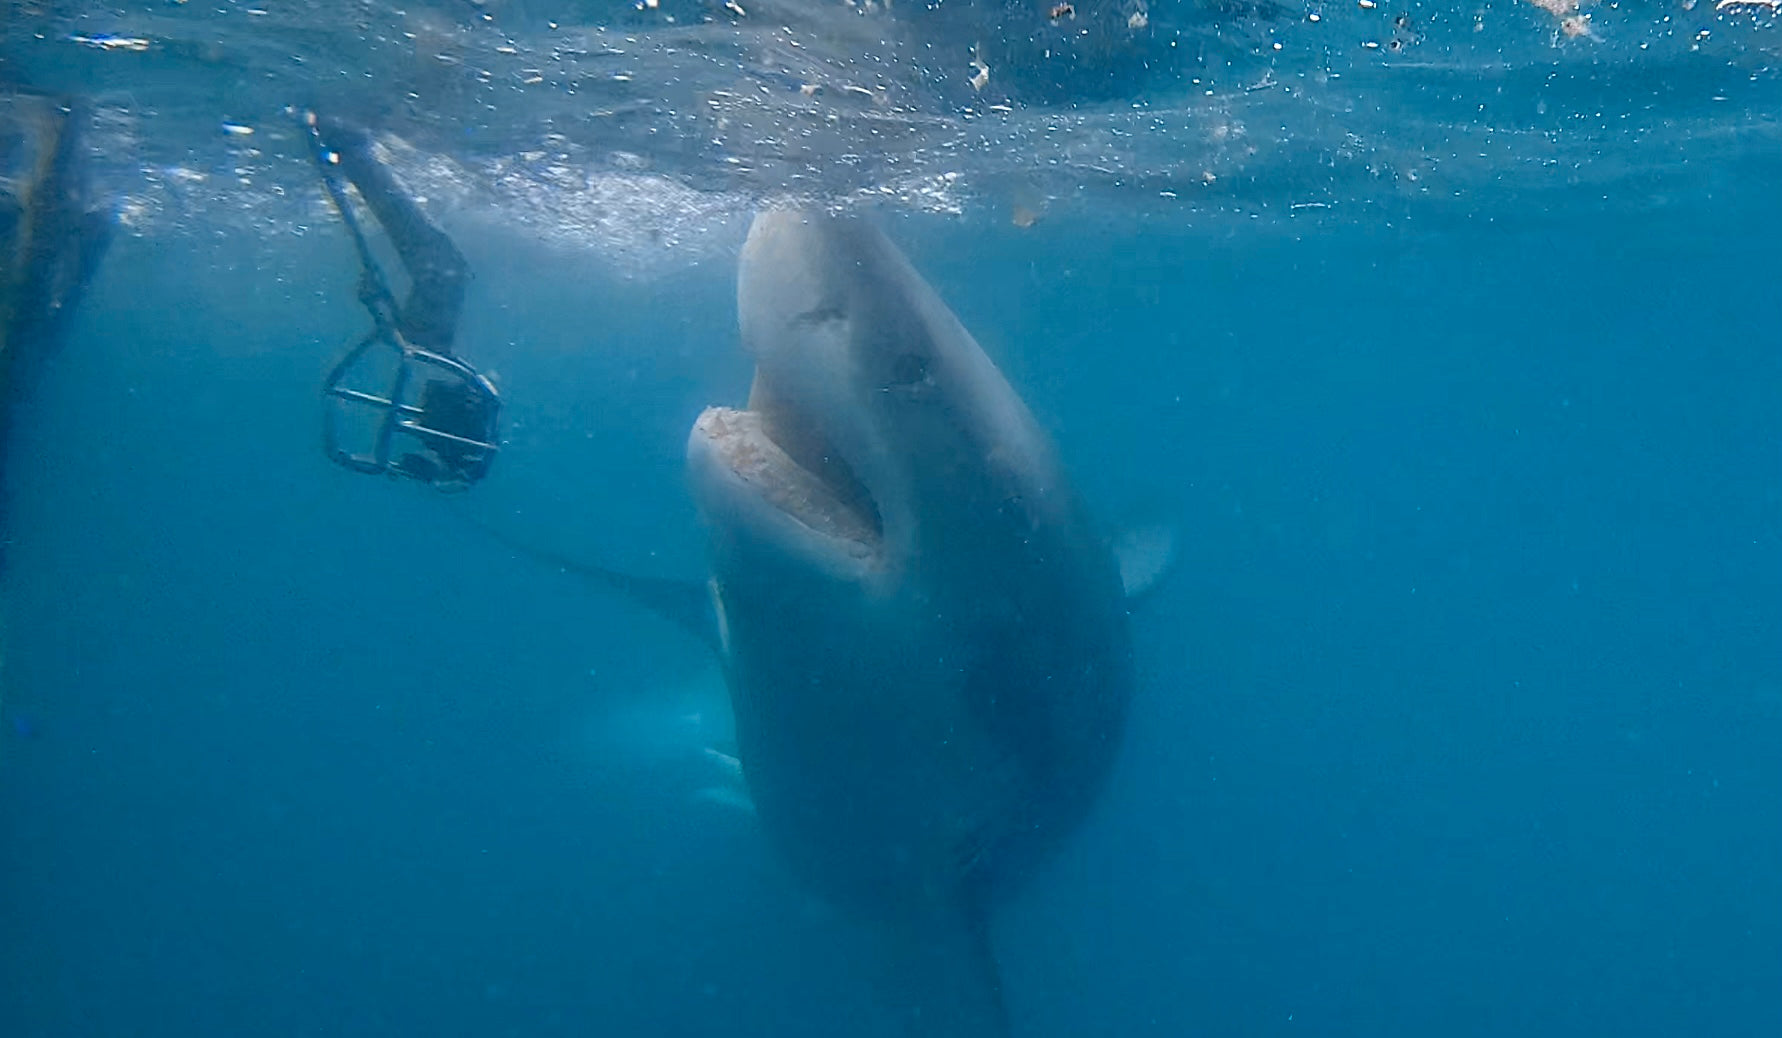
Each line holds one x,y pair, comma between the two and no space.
1146,555
732,789
728,763
942,979
731,798
688,604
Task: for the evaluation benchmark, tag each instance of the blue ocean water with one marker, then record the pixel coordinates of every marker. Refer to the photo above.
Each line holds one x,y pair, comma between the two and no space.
1458,715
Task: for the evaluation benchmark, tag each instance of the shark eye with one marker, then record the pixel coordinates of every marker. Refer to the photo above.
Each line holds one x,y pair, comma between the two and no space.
909,369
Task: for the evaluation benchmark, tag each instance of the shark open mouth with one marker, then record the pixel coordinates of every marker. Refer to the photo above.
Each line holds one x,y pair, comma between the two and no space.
780,452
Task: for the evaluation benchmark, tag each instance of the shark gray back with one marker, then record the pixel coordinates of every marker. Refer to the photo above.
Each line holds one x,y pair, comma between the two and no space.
924,634
53,229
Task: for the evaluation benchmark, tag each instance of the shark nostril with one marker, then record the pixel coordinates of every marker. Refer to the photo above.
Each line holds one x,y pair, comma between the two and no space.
821,315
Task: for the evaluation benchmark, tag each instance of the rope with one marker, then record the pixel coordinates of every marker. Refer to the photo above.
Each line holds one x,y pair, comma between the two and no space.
374,288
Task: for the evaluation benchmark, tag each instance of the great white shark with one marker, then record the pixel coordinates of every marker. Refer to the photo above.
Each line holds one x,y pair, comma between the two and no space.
923,632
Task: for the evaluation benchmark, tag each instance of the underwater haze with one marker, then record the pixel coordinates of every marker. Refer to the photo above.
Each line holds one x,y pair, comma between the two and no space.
1459,712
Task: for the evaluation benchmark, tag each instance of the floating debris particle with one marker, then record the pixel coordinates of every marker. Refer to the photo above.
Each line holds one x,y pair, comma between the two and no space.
106,41
1575,26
